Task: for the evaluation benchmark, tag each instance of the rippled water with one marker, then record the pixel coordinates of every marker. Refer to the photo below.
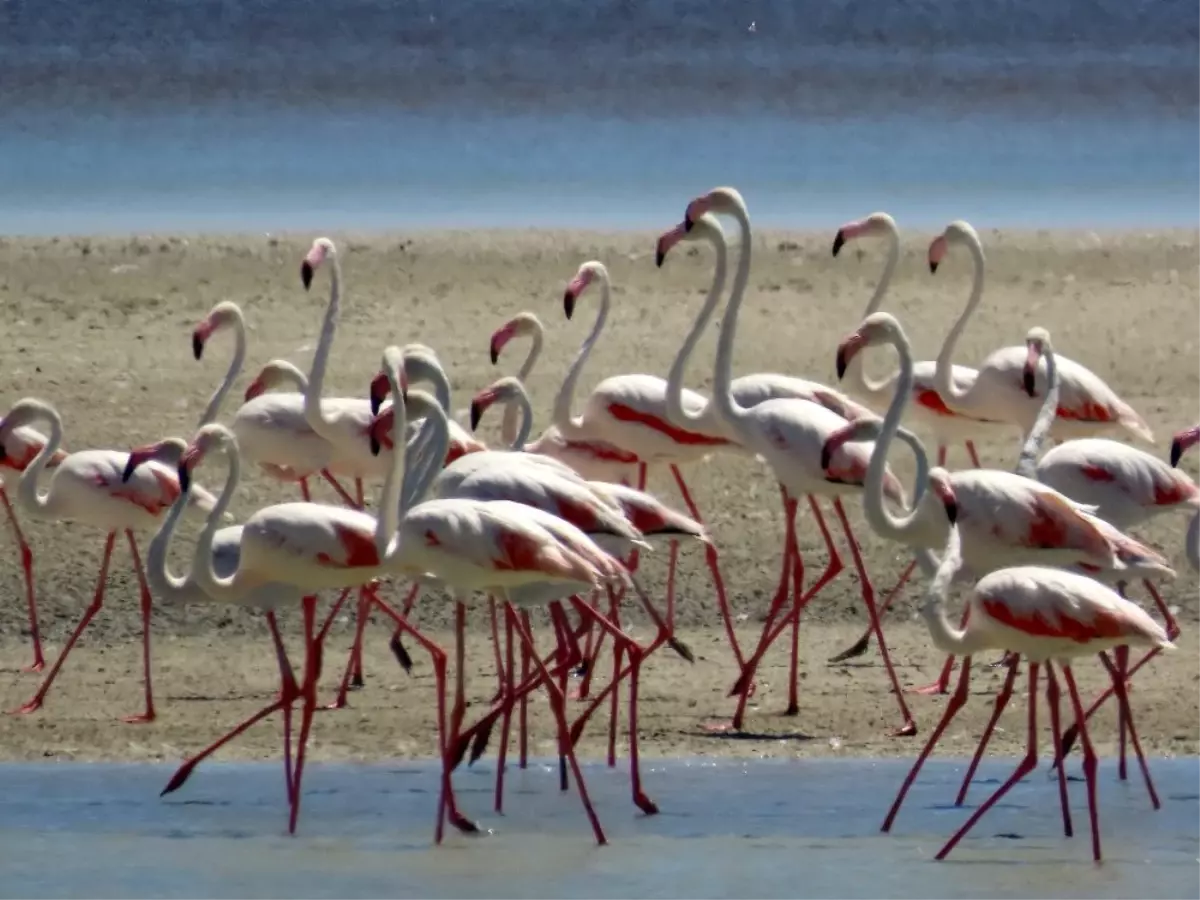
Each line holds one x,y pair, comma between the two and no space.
758,829
217,114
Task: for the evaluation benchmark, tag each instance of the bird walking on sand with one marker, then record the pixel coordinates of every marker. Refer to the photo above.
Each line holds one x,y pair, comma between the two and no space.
1048,616
86,486
788,433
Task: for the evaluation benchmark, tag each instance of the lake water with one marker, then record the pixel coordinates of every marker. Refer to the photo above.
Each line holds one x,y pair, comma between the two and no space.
727,829
300,115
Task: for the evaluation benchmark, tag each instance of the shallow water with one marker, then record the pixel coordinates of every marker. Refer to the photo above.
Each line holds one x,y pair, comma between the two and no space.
729,828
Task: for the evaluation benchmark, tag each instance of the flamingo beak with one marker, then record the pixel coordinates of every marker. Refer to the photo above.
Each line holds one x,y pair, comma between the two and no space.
379,392
1029,375
184,470
847,350
839,241
306,274
379,425
945,493
254,389
136,458
937,249
833,443
200,335
479,406
502,336
571,294
1176,451
666,242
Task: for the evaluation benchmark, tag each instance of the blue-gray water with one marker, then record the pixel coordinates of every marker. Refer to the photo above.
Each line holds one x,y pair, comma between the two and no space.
727,829
296,114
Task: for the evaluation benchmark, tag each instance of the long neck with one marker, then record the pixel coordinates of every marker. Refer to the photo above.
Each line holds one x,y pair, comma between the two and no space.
165,586
422,367
522,411
40,505
438,442
510,422
287,373
944,374
202,561
571,428
316,376
879,517
1031,449
675,410
723,374
946,636
856,378
235,369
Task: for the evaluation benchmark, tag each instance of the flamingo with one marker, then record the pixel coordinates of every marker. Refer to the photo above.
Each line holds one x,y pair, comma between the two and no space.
787,432
1046,615
1087,406
1180,444
1004,518
86,487
21,447
927,408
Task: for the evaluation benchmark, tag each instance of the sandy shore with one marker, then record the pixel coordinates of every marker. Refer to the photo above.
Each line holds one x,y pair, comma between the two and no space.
101,327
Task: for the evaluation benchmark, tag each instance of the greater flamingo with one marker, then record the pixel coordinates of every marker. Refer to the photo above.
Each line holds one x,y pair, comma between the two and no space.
1004,518
87,487
787,433
1086,406
927,410
1180,444
1046,615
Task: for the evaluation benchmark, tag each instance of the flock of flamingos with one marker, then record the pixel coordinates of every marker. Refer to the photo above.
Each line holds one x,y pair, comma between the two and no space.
557,521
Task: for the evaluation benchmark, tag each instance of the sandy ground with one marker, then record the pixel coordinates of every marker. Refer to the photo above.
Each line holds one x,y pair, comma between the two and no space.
101,327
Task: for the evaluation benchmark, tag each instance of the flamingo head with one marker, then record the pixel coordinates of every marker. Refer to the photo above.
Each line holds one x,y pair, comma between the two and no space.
322,249
587,273
1037,342
213,436
875,224
877,328
718,200
522,324
167,451
943,489
706,227
379,432
858,430
276,373
503,390
225,314
1183,442
957,232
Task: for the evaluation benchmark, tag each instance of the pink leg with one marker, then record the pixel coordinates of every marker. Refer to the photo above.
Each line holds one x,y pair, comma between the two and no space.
941,455
1122,655
523,709
506,726
943,681
1123,699
1001,702
1024,768
308,691
89,614
714,568
953,705
974,456
859,647
360,623
342,493
448,805
557,703
1052,700
146,600
500,682
39,661
909,727
1089,759
614,611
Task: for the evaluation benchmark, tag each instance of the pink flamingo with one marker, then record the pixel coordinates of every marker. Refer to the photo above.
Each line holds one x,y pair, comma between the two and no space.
1086,407
786,432
1045,615
1182,442
927,409
1004,518
87,487
21,447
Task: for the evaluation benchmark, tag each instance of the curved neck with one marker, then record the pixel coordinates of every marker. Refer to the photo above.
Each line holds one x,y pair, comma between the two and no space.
287,374
424,368
675,410
36,504
944,374
571,428
313,413
511,421
1031,449
166,586
431,456
235,369
723,375
855,378
879,517
522,410
203,572
946,636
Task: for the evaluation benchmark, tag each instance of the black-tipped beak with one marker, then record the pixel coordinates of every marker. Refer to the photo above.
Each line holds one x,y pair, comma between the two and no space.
1176,452
130,465
688,222
659,257
376,402
306,274
476,414
495,351
1027,381
841,363
839,241
185,478
376,446
826,455
952,511
197,346
569,303
932,267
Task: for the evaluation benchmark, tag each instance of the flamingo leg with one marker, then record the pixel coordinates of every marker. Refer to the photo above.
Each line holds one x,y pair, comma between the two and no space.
39,661
868,592
523,710
1122,656
941,455
714,568
506,721
859,647
1023,768
500,682
943,680
289,690
308,696
360,622
146,604
448,806
1052,700
793,707
1089,758
953,705
558,705
90,613
615,707
1001,702
974,456
1123,699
